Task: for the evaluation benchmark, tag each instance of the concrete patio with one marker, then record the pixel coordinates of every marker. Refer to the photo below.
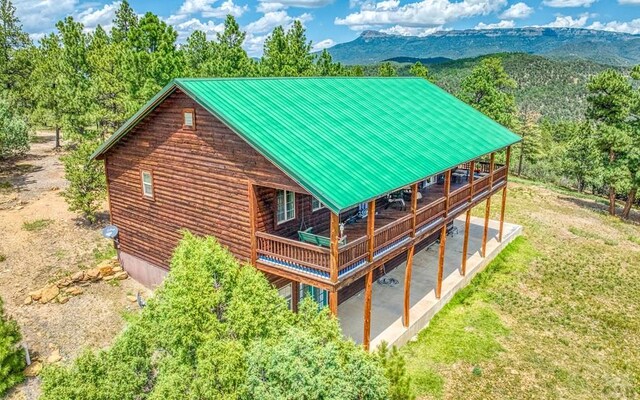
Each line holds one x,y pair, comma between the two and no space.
387,301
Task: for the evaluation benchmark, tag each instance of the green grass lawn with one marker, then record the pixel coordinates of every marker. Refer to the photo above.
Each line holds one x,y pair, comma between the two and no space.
555,316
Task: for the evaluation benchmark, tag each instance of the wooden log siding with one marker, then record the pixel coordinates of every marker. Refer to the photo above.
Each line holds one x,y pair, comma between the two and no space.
200,182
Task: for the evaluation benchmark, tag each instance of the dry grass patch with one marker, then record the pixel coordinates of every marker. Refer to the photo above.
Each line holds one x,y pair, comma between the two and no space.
559,311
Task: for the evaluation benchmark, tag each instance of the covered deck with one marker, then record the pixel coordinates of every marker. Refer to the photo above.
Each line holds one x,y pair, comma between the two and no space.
395,224
387,299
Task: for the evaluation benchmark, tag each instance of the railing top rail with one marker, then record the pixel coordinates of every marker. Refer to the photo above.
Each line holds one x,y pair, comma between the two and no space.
292,242
394,223
460,189
353,243
431,205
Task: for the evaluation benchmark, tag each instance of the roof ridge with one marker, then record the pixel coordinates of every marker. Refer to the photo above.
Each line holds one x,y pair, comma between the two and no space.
282,78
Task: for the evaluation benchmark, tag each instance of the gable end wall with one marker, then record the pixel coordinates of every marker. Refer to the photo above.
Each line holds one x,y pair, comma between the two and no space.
200,182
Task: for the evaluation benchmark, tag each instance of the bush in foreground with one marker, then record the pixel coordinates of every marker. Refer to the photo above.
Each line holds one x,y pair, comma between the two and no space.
218,330
12,361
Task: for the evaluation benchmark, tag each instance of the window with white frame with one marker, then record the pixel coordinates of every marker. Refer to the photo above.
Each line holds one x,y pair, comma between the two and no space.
316,204
287,293
286,206
188,118
147,184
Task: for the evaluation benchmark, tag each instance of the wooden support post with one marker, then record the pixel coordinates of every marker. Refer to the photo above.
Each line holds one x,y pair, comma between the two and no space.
414,208
334,232
443,235
504,193
333,302
371,224
253,206
407,286
366,336
443,242
472,178
334,228
371,227
487,208
465,243
295,296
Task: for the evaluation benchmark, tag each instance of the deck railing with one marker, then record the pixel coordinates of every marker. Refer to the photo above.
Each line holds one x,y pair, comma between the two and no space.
316,260
286,251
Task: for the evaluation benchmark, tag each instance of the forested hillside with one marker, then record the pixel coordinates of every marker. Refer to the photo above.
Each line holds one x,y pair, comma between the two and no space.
554,88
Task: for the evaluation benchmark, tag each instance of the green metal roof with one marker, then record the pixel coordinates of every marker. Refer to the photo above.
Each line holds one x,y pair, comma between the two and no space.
345,140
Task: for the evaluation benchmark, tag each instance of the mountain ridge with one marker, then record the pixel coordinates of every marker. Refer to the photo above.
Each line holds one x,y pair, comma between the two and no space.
614,48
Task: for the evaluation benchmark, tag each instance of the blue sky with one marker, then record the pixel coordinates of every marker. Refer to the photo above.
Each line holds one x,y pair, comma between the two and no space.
329,22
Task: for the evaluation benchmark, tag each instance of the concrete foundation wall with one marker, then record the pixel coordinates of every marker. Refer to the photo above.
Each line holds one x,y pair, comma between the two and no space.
142,271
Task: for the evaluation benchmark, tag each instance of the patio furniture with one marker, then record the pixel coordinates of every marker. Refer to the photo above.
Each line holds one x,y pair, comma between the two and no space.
308,237
396,198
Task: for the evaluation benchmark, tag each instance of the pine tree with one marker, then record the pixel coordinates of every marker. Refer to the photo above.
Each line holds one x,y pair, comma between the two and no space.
153,60
274,58
387,69
126,19
529,130
198,55
489,89
299,57
12,358
326,67
12,40
610,102
230,57
108,91
419,70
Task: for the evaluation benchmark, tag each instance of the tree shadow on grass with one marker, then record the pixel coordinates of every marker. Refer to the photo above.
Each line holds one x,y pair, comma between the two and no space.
634,215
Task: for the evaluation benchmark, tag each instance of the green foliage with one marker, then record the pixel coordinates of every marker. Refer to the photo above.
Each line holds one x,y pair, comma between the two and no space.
287,54
36,225
12,358
87,184
14,132
387,69
489,89
217,330
326,67
419,70
396,372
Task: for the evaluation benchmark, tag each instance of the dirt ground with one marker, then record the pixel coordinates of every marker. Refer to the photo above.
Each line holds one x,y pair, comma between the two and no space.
38,257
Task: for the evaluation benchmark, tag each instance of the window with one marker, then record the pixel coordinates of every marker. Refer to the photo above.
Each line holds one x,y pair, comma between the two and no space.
147,184
188,115
286,292
286,206
316,204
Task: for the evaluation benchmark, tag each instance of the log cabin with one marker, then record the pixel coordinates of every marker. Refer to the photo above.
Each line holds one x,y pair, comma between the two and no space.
321,183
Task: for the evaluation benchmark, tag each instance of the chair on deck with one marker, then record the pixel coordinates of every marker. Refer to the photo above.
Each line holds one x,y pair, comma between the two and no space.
308,237
396,198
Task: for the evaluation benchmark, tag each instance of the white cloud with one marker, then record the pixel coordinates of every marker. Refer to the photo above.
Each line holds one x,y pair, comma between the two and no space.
270,20
323,44
207,9
268,6
517,11
629,2
104,16
37,16
295,3
419,14
186,28
504,24
411,30
568,3
568,21
632,26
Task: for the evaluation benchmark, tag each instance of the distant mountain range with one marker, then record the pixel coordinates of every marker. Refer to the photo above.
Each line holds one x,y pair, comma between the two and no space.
568,43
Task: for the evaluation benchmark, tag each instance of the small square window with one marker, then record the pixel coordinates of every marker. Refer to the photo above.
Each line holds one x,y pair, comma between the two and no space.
316,204
147,184
188,116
